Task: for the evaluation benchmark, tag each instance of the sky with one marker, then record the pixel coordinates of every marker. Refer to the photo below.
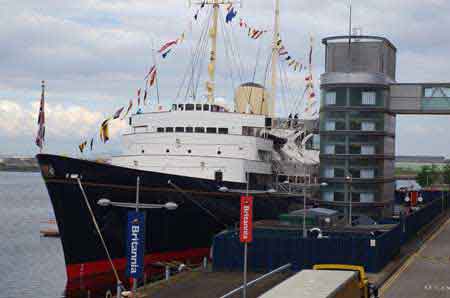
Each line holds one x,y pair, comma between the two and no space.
94,54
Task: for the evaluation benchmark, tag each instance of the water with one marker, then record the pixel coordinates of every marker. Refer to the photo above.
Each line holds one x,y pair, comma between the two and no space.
30,266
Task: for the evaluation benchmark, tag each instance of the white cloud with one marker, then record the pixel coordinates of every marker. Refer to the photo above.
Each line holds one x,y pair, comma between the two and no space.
63,121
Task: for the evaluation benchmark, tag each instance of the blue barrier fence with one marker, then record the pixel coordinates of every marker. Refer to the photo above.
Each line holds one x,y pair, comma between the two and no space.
272,248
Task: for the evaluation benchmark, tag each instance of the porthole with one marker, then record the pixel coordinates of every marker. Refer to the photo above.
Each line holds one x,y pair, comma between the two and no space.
142,151
219,152
189,151
167,150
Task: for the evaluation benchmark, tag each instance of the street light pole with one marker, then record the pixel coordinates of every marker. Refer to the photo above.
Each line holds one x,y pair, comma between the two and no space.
304,212
135,281
348,180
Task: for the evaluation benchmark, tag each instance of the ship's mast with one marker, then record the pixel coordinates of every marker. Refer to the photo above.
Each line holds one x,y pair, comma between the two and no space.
276,38
210,85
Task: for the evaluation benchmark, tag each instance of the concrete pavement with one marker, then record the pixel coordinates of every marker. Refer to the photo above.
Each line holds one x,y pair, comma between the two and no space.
426,274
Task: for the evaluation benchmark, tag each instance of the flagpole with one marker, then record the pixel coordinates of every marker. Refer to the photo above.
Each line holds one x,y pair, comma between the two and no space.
43,107
276,37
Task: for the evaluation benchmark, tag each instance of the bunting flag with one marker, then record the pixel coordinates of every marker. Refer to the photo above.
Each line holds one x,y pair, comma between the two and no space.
130,106
104,131
311,51
139,96
293,63
251,32
92,144
167,45
232,13
82,146
40,138
145,96
164,55
150,72
152,78
118,112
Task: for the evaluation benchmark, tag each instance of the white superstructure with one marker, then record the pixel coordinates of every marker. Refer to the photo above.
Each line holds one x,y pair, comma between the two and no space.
198,140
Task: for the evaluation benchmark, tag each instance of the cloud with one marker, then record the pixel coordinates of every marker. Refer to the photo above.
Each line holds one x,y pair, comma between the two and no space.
63,121
94,53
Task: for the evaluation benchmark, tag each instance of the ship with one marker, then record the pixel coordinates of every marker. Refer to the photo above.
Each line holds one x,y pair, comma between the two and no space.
201,155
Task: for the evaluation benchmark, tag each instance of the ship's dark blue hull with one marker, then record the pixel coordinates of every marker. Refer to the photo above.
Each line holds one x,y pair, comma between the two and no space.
183,234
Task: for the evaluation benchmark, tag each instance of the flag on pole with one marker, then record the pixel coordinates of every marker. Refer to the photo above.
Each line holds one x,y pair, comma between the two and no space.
230,15
40,138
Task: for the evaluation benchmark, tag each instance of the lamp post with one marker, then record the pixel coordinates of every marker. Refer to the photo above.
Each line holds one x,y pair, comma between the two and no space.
305,232
348,180
103,202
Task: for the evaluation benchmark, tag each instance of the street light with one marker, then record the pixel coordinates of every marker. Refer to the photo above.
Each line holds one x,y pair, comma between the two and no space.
106,202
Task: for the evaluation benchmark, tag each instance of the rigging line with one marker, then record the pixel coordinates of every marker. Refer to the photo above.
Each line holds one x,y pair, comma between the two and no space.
283,91
288,90
227,54
193,63
258,52
238,55
98,230
157,76
195,57
197,203
201,54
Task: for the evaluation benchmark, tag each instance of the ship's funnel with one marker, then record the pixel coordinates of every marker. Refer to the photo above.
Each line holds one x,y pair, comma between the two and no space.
252,98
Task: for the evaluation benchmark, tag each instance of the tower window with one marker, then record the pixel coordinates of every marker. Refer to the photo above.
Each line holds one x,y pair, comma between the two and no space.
367,126
329,173
369,98
330,98
330,125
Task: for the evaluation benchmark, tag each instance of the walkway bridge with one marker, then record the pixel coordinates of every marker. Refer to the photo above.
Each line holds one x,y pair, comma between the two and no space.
420,99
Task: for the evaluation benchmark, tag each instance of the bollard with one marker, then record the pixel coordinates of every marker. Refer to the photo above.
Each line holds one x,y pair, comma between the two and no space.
167,272
205,263
119,289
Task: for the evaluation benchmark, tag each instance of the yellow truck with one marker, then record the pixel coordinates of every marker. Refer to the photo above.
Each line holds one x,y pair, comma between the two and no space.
326,281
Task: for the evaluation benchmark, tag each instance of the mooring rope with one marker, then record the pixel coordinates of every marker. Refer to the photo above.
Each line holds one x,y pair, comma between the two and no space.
98,231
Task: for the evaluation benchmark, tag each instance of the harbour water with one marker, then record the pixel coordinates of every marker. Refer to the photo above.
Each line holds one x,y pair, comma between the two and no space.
30,266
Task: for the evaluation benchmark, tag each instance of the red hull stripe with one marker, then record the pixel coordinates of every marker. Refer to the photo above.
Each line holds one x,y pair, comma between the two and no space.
77,271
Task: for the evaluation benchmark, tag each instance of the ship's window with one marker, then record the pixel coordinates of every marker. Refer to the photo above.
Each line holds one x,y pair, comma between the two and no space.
181,107
211,130
174,107
199,129
142,151
219,152
179,129
223,130
189,151
160,129
189,107
167,150
205,107
218,176
169,129
198,107
189,129
214,108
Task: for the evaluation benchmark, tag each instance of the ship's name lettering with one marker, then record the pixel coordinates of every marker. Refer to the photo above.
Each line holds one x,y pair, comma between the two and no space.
245,221
134,246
